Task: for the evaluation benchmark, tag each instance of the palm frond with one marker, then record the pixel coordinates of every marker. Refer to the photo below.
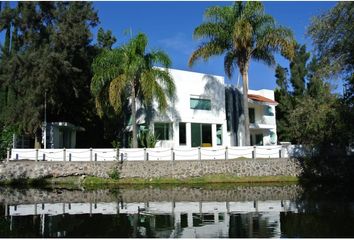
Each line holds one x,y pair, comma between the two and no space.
206,50
230,63
116,88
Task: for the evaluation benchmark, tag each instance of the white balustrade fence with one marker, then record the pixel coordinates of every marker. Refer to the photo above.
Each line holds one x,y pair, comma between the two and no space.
156,154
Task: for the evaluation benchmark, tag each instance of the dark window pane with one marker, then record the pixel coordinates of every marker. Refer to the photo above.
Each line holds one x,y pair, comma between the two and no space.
182,134
206,135
161,131
196,138
251,115
259,139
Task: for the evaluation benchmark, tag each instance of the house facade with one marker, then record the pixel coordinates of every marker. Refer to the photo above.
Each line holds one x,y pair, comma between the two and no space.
207,113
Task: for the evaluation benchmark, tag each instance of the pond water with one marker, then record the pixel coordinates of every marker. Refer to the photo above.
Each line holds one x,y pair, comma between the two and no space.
179,212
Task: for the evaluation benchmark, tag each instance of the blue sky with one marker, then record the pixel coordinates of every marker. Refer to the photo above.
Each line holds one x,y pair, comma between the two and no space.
169,26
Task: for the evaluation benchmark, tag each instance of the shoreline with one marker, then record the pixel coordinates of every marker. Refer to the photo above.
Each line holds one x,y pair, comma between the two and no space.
97,182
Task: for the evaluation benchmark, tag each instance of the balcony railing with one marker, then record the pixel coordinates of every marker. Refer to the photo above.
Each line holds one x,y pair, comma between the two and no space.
265,120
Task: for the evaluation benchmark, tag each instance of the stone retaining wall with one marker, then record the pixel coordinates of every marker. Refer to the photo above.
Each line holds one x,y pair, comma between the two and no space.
178,194
151,169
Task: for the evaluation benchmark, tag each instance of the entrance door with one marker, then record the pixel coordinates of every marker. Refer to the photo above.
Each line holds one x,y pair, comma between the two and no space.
201,135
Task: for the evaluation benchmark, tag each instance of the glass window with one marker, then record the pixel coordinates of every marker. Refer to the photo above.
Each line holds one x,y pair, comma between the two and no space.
251,115
219,134
206,135
182,134
162,131
200,104
259,139
196,135
268,111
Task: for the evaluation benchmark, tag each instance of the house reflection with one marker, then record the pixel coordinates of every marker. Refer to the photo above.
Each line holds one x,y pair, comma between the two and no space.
149,219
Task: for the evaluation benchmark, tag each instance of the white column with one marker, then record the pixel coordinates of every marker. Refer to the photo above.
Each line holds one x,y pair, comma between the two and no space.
189,134
216,217
190,219
213,135
177,219
175,127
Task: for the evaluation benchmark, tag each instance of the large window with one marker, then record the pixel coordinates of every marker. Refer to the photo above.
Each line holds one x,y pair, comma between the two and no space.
200,104
251,115
182,134
162,131
201,135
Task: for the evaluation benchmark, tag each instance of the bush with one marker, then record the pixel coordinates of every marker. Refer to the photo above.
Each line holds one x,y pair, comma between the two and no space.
114,174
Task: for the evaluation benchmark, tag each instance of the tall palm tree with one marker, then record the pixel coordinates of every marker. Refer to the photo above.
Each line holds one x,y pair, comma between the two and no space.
242,32
129,71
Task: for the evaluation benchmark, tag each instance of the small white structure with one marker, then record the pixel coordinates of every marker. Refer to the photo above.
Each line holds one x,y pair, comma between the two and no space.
61,135
208,113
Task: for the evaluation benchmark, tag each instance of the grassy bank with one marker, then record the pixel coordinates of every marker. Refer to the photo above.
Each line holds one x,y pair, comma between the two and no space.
95,182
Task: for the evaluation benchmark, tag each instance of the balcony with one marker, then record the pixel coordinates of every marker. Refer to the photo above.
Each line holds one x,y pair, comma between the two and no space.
265,122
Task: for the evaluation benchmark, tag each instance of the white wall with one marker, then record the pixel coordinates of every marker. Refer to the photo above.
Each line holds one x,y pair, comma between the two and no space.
192,84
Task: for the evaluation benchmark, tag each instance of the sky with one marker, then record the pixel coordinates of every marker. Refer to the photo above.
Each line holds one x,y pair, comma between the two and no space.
169,27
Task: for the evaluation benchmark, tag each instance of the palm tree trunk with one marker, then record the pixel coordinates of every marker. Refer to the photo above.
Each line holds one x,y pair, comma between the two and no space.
134,138
245,105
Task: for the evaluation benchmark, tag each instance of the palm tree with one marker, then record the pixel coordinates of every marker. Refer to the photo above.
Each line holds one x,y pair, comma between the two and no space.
242,32
129,71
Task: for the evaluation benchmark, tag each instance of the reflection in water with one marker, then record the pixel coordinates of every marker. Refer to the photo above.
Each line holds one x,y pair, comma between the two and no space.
177,212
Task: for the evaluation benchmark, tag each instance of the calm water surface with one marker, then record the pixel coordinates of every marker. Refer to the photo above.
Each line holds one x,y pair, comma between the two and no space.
179,212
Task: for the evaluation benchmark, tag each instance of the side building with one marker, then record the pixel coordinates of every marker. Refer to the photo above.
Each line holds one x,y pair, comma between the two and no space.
207,113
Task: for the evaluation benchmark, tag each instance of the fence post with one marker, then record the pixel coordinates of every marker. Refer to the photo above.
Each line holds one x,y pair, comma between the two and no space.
64,154
121,157
69,157
90,154
145,155
199,154
254,152
172,154
226,153
96,157
36,154
280,152
8,155
43,156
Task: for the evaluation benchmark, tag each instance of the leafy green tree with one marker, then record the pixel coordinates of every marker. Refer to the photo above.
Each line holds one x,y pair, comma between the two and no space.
50,52
129,72
105,39
332,35
298,69
284,98
242,32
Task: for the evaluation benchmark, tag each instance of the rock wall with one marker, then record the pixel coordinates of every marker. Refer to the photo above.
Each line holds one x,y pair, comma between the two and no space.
178,194
151,169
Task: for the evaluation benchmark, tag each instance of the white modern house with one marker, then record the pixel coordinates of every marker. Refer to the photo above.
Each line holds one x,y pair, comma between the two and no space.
208,113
